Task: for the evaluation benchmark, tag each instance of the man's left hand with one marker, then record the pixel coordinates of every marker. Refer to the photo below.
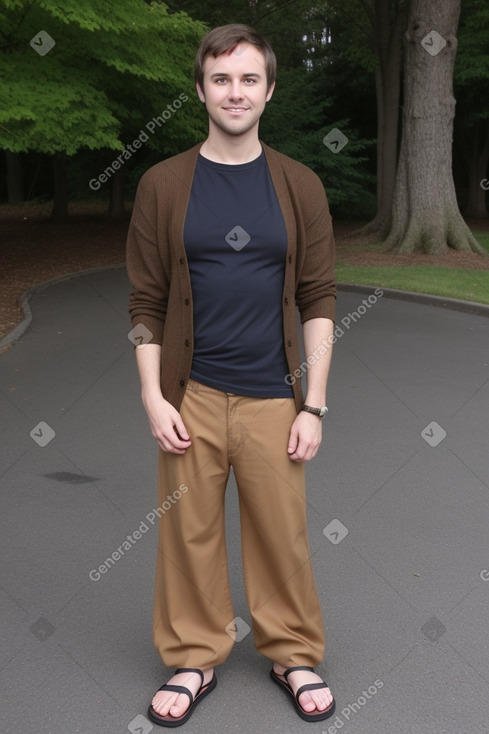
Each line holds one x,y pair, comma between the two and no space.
305,437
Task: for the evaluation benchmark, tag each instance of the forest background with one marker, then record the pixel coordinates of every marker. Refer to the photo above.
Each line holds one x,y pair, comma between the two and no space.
385,99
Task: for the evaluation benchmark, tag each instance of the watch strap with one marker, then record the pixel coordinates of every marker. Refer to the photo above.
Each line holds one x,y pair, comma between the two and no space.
321,412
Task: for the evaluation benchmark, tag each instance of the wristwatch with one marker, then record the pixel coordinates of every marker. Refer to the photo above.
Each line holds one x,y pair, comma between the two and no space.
321,412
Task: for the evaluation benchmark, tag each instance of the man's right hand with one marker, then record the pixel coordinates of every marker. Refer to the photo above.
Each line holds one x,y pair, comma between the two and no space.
166,424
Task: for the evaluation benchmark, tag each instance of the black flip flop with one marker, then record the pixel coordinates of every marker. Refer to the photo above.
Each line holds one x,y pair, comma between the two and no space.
320,715
203,691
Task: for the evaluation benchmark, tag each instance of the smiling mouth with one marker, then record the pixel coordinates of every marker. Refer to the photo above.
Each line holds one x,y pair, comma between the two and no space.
235,110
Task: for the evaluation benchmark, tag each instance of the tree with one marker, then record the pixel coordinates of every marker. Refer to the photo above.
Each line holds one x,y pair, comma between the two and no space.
300,135
309,100
425,213
15,177
472,118
106,75
387,19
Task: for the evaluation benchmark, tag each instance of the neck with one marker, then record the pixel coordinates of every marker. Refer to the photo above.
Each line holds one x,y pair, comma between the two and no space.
232,149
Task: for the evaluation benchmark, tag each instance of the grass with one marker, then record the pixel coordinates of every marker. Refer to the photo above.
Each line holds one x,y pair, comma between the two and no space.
468,285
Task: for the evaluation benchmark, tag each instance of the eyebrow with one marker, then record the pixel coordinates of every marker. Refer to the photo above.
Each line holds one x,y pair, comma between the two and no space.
250,74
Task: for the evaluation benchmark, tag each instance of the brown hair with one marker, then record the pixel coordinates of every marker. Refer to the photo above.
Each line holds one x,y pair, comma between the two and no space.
224,39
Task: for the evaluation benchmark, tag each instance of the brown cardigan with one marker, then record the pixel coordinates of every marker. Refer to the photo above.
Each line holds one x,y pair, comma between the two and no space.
157,266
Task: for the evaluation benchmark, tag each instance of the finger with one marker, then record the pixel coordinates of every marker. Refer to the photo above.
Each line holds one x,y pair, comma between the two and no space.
305,450
298,454
293,441
170,448
180,430
176,442
171,441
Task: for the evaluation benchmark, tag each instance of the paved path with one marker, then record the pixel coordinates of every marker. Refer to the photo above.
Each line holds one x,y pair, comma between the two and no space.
401,487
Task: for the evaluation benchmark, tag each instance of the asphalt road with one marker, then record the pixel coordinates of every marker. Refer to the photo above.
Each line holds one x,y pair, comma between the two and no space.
398,521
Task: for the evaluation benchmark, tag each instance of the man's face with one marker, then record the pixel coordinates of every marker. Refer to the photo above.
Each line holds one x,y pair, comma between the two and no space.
235,89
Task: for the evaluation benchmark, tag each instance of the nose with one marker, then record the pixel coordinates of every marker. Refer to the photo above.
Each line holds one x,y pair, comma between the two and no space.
235,91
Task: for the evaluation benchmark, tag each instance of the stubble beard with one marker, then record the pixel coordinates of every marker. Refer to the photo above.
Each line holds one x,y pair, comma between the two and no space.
235,130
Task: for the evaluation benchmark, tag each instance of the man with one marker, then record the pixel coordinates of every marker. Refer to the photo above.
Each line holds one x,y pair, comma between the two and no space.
224,240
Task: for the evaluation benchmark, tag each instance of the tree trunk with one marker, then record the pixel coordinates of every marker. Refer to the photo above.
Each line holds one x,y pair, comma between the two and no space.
60,204
478,182
33,179
387,33
15,178
116,204
425,213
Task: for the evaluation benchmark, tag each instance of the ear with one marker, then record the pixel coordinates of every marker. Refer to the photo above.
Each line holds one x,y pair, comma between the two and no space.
200,92
270,92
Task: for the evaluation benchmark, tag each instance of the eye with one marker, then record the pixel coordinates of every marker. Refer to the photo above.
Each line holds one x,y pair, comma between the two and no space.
220,79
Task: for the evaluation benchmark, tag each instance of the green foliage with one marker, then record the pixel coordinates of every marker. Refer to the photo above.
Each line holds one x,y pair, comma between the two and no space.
117,65
471,67
306,105
113,67
351,42
296,120
473,44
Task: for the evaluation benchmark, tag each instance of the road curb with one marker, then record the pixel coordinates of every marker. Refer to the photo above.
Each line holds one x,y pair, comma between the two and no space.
21,328
425,299
454,304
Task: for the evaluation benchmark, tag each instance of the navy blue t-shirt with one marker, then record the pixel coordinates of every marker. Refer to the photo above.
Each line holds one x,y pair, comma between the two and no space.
236,241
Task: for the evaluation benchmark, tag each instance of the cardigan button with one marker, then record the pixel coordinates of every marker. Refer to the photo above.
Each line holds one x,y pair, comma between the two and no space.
187,343
187,301
290,258
182,383
182,261
286,301
289,343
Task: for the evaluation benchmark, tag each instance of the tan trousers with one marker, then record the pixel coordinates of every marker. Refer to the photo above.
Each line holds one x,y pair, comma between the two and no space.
193,611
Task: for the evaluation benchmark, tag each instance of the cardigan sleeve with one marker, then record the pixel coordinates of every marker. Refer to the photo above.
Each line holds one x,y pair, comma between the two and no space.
148,299
316,287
